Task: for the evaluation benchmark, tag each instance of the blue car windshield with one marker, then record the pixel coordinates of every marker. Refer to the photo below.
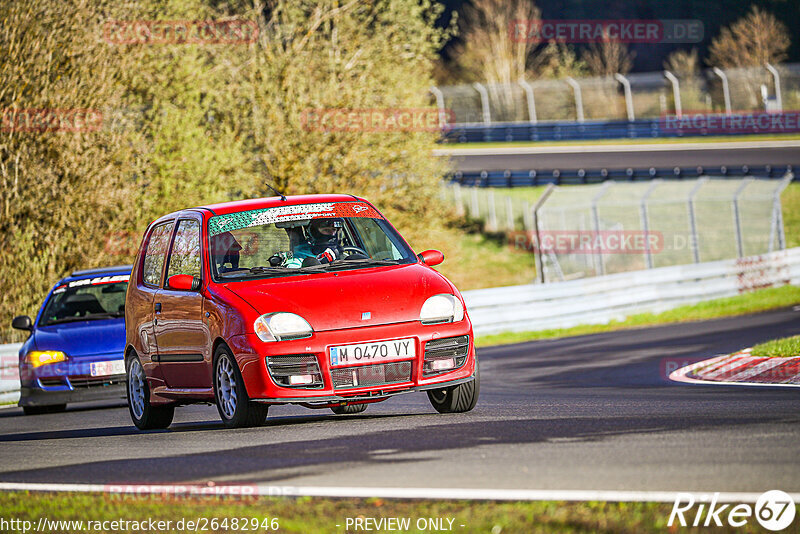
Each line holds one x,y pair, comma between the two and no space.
86,300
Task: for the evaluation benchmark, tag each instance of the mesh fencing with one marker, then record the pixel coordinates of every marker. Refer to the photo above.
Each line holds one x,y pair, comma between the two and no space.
613,227
651,94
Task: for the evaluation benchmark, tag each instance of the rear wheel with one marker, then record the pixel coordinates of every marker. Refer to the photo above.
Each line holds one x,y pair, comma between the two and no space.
235,408
38,410
457,399
144,415
348,409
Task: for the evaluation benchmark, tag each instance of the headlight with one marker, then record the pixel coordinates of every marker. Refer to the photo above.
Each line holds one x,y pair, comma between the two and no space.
442,308
37,358
281,326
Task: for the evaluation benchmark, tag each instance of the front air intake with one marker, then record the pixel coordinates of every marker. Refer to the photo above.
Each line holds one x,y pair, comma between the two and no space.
295,371
445,355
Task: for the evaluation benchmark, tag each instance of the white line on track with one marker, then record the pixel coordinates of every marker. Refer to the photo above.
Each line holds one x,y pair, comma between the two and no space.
592,149
389,493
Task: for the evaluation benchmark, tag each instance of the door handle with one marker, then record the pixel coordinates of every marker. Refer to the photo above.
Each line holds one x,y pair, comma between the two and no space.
158,307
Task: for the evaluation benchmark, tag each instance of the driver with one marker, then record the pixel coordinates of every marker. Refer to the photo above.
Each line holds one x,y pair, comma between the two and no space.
323,240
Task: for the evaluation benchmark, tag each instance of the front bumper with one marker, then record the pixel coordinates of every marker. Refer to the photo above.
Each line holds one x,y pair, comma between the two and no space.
67,382
252,354
37,396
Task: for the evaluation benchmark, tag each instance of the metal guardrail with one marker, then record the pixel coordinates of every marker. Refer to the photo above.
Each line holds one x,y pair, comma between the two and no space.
583,131
9,373
534,177
601,299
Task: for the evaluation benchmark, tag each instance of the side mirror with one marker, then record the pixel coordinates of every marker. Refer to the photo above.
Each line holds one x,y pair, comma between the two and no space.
22,322
184,282
431,257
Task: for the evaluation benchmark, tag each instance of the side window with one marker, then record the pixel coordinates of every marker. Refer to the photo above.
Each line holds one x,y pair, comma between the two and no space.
185,256
155,253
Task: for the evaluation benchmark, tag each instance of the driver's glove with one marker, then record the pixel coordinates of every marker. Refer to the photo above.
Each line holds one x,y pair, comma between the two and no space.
328,256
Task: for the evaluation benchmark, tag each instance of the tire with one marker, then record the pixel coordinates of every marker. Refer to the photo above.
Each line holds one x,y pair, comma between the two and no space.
38,410
234,406
457,399
349,409
143,414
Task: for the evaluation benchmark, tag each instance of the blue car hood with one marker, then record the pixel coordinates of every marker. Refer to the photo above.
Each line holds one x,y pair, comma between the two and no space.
84,338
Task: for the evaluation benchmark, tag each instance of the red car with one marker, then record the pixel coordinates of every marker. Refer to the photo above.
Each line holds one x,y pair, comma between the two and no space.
312,300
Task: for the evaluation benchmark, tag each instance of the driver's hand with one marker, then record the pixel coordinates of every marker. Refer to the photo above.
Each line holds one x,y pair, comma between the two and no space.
328,256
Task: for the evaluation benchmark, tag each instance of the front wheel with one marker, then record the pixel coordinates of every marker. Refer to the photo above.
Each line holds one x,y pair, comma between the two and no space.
144,415
235,408
457,399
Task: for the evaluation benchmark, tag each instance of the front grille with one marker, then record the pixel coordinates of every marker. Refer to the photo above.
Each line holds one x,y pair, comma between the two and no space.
283,366
443,349
95,381
371,375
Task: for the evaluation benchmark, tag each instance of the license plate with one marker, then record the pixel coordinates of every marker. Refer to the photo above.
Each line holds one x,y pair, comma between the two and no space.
369,353
113,367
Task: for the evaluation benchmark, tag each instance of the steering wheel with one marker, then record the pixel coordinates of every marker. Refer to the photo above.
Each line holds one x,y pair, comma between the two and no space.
355,250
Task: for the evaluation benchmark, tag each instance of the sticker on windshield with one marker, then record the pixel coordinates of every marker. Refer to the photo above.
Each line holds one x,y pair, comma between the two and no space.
301,212
93,282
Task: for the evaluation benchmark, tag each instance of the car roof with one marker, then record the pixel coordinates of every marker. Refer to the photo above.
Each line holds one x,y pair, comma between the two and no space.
225,208
100,271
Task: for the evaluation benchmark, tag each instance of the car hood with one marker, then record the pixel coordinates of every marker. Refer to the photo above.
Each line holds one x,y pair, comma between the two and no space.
84,338
333,301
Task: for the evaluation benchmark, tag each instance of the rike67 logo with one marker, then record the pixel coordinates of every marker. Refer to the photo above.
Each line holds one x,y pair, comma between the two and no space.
774,510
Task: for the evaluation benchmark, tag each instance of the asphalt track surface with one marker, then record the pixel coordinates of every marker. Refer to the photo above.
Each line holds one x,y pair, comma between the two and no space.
584,413
638,156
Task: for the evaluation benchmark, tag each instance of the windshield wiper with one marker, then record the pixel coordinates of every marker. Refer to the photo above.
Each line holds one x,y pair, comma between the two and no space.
366,262
90,317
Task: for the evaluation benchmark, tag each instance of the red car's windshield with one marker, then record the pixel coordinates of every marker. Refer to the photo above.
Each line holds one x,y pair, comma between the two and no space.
301,239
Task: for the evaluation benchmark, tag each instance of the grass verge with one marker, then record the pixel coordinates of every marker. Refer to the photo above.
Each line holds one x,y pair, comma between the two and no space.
322,515
757,301
778,348
606,142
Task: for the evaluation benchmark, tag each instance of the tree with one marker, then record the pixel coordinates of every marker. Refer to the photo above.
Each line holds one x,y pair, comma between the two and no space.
607,58
496,47
753,40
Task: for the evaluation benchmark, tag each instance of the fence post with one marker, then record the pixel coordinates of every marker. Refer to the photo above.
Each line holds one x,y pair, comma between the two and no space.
487,114
458,199
626,85
692,220
576,88
599,259
676,92
510,222
476,210
776,225
531,102
777,77
737,221
537,251
726,92
492,211
439,104
648,254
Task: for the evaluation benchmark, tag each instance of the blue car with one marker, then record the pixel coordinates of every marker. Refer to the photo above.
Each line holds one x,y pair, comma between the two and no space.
76,344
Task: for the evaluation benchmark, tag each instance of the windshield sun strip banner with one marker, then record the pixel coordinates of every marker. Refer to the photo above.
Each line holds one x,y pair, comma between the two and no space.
299,212
100,280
